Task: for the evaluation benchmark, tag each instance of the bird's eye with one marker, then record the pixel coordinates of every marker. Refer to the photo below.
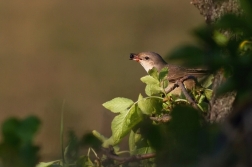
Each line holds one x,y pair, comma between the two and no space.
146,58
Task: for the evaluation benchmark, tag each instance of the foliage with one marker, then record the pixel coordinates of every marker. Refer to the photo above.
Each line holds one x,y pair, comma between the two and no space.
131,120
17,148
157,103
185,138
230,52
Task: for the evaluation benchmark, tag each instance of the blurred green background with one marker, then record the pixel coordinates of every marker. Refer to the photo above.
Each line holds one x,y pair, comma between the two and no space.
78,51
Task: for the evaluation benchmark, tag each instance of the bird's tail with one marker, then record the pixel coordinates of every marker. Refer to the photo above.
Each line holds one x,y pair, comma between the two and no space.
197,72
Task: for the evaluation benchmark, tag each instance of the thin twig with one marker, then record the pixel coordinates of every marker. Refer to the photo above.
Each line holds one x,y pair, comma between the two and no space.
188,97
109,152
175,85
180,83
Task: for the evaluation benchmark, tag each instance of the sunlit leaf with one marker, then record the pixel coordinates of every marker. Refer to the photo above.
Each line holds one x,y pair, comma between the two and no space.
133,139
109,142
165,83
207,81
153,72
56,163
208,93
149,80
84,161
153,89
149,105
124,122
163,73
118,104
220,38
245,45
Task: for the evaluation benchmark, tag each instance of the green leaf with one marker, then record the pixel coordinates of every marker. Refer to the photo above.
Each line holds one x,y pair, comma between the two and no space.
165,83
144,150
149,80
163,73
233,22
245,46
220,38
15,130
206,82
208,93
124,122
10,129
153,72
203,106
138,144
133,139
153,89
109,142
247,6
84,161
49,164
149,105
118,104
28,127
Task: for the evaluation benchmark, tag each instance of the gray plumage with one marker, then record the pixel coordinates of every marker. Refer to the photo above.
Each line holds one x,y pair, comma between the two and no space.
151,59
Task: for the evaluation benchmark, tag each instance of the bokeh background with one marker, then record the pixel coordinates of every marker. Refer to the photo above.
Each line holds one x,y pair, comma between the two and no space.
78,52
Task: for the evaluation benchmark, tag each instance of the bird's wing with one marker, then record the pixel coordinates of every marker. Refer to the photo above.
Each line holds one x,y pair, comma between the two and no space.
177,72
197,72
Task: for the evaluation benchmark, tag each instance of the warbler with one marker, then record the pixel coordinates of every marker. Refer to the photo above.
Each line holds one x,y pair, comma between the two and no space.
151,59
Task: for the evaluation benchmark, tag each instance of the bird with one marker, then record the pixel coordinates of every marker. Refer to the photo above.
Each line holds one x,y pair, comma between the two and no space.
175,72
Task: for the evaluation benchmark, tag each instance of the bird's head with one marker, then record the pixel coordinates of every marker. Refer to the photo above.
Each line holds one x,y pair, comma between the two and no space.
148,60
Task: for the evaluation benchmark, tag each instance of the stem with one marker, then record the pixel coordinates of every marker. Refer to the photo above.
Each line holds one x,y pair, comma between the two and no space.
61,131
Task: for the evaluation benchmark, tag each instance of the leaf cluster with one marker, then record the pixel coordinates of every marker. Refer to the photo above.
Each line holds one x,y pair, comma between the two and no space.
17,148
225,45
186,140
134,117
131,113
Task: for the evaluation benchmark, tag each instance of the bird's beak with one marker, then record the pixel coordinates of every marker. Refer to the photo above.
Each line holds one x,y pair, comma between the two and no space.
135,57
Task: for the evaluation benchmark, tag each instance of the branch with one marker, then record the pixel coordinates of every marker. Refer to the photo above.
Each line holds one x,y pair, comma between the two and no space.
188,97
109,152
165,118
213,10
180,83
175,85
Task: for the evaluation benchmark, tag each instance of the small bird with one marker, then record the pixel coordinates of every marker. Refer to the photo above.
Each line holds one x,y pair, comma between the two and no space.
151,59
